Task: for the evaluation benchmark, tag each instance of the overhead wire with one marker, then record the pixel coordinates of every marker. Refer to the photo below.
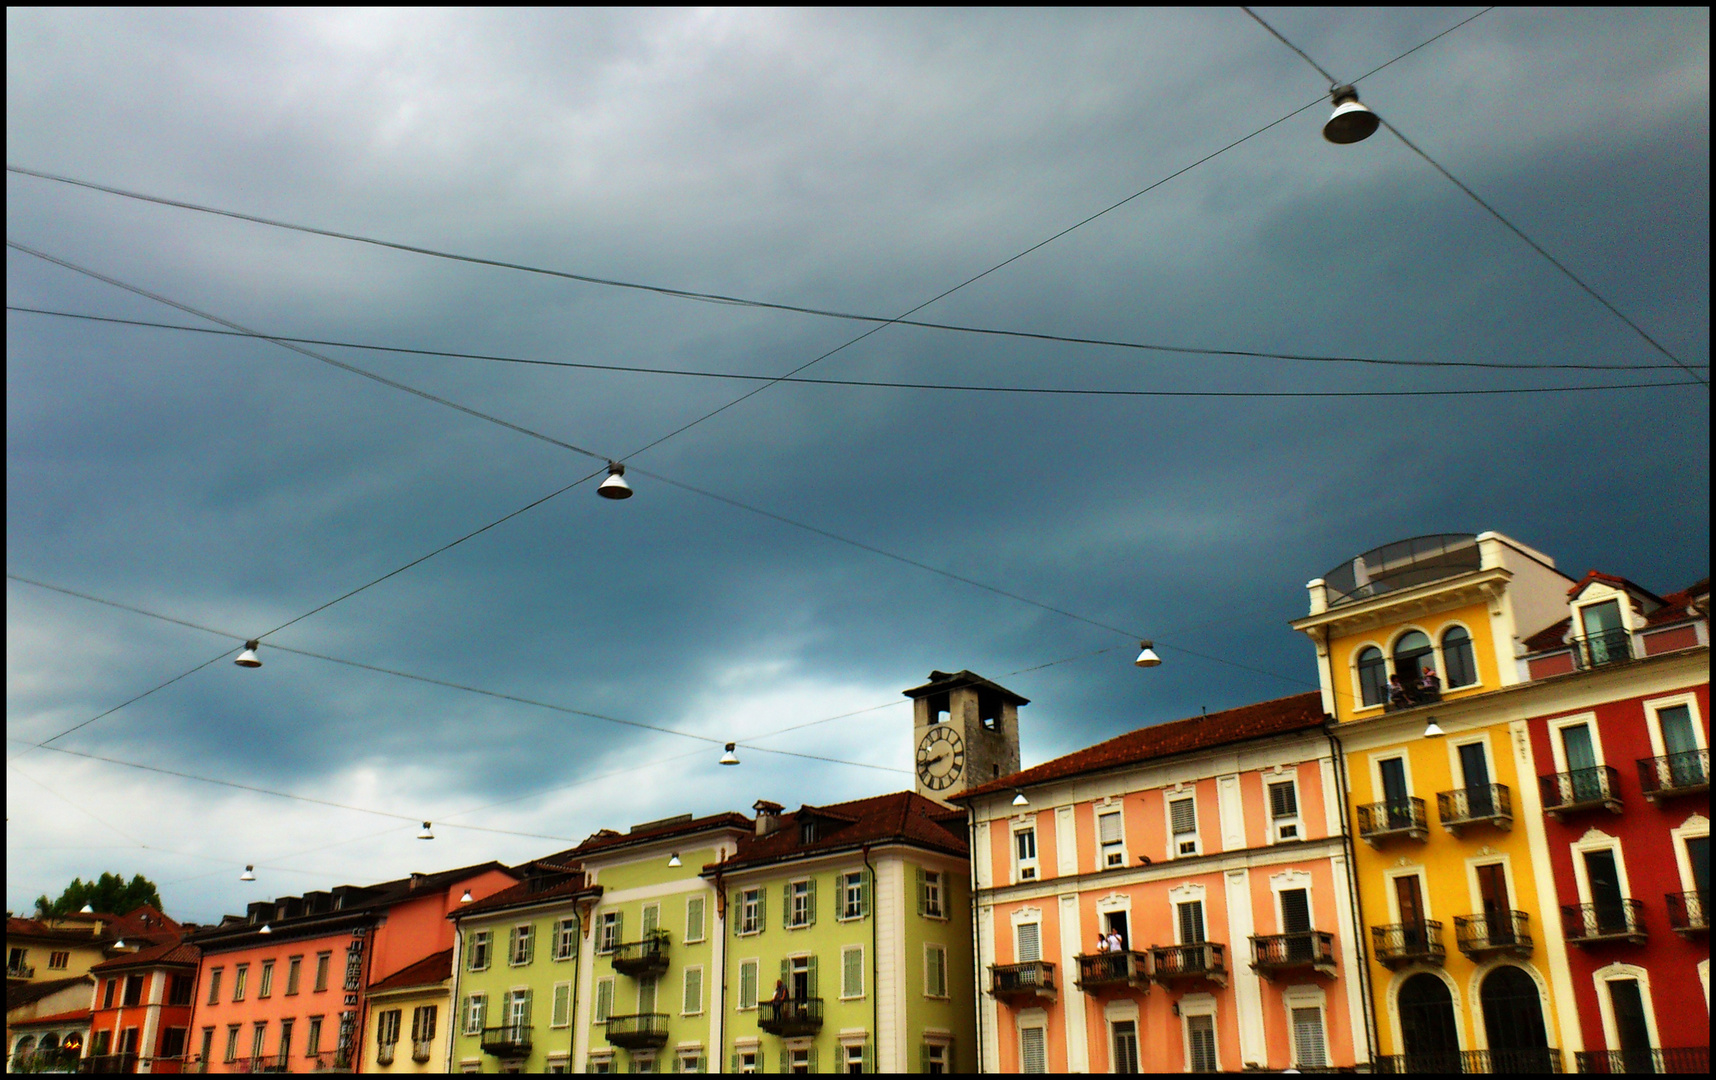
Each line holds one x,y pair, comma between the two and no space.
582,365
1491,210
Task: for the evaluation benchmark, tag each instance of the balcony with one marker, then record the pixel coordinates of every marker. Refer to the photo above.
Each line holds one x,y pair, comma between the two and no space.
1582,789
384,1053
1602,649
1547,1060
269,1064
1483,935
1022,982
1383,821
20,971
639,1031
1411,698
646,957
1400,944
1596,924
1114,970
327,1061
791,1018
1689,1059
108,1063
1687,913
421,1051
507,1041
1183,963
1686,773
1490,805
1309,950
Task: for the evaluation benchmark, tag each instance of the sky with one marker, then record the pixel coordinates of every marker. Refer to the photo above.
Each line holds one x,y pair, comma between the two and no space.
815,549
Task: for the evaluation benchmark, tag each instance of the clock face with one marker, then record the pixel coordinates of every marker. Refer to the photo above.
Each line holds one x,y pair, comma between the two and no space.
941,757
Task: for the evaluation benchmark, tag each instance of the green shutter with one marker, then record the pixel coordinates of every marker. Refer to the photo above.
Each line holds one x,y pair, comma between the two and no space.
923,892
786,976
527,997
760,1060
923,1050
651,916
851,973
786,1061
864,893
562,1008
693,996
947,1055
810,903
735,1067
762,908
812,980
813,1057
869,1056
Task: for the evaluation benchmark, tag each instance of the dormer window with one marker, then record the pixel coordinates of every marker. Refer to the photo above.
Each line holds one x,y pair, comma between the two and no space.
807,832
1606,637
1457,660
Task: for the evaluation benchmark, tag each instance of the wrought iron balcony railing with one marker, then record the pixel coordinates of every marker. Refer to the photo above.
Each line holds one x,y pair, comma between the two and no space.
1175,963
1602,648
1548,1060
1491,804
1680,1059
1685,773
1410,698
646,957
108,1063
1312,950
1102,971
507,1040
1032,979
1481,935
1408,943
1688,913
1594,924
268,1064
1382,821
638,1031
790,1018
1581,789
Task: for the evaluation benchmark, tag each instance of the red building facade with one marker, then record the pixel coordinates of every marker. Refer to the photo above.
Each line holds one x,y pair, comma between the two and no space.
1620,733
141,1019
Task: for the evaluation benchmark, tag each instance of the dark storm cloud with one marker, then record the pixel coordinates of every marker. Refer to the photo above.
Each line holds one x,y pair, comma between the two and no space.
864,161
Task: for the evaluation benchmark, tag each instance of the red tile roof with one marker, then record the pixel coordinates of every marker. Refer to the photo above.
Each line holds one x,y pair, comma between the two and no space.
532,890
429,971
168,952
23,992
902,817
1297,713
1674,608
607,840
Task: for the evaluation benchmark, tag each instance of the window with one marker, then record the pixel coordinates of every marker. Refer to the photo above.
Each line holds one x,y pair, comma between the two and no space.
1309,1051
807,832
133,989
1457,659
208,1046
387,1027
1183,818
929,894
748,1061
265,984
608,934
801,1060
748,973
561,1016
423,1023
1284,810
181,989
1033,1050
1125,1046
565,939
600,1062
232,1042
692,999
1412,654
285,1050
518,1008
101,1044
691,1061
693,918
113,984
322,971
852,895
1201,1044
751,911
935,971
313,1037
478,957
258,1034
239,975
1025,853
173,1042
476,1007
935,1058
801,903
523,945
294,966
1373,677
1109,836
604,999
1030,942
855,1055
59,960
214,987
852,971
1191,922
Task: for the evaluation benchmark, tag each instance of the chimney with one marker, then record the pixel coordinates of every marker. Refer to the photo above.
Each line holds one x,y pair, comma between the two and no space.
768,816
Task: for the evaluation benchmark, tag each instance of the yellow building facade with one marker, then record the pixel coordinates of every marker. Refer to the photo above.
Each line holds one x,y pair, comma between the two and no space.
1418,647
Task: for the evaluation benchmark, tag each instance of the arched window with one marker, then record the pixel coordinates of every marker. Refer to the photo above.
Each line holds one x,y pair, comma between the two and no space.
1373,676
21,1049
1427,1025
1513,1018
1412,653
50,1041
1457,660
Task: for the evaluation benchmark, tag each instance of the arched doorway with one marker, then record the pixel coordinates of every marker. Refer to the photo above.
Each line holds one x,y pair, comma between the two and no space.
1513,1022
1427,1025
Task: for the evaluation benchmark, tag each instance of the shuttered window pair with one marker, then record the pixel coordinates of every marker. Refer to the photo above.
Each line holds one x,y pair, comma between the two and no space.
1033,1050
1030,942
611,926
1309,1049
748,984
855,895
852,971
475,1011
1201,1043
1109,834
604,999
1183,818
930,888
694,918
565,939
801,902
691,1003
752,916
1191,915
562,1016
523,945
935,971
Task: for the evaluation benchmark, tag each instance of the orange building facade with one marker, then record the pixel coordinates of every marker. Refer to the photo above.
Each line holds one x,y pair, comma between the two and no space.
1210,852
141,1019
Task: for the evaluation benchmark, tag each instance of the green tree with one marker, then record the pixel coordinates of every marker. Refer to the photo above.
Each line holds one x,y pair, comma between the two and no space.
109,893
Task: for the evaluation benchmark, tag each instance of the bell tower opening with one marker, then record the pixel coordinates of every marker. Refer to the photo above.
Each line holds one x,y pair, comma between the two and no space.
965,732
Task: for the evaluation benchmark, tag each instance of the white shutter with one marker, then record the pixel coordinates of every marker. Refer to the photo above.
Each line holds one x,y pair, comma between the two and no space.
1184,814
1109,826
1308,1049
1030,942
1033,1051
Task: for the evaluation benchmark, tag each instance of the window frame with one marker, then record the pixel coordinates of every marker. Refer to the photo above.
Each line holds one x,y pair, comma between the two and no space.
851,895
1306,998
324,960
265,980
565,939
1021,863
1471,644
755,964
1107,848
240,976
610,927
521,945
1042,1031
1653,709
936,949
560,1013
750,911
1200,1010
1295,820
294,975
801,916
702,924
1176,845
480,955
313,1037
685,987
476,1012
597,1014
845,951
214,984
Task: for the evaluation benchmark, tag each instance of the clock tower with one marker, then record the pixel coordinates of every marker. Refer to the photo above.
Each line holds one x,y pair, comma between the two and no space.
965,732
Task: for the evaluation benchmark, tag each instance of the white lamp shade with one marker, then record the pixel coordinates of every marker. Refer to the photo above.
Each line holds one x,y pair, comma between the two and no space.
1432,730
1019,799
730,758
467,898
86,910
1147,656
615,486
265,929
248,875
673,860
426,834
1351,122
247,658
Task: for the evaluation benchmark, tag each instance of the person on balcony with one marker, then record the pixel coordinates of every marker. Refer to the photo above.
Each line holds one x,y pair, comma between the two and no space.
1101,942
1115,945
1397,694
1430,683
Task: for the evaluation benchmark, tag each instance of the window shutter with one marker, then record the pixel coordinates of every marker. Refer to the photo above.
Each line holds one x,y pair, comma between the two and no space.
604,1000
529,944
562,1007
810,904
762,909
694,918
813,1057
1030,942
1185,815
1192,923
864,893
786,904
923,892
1309,1051
1283,800
748,985
869,1056
1033,1050
619,927
651,917
923,1057
482,1011
852,973
947,1055
786,1060
1109,825
525,1015
811,962
735,1067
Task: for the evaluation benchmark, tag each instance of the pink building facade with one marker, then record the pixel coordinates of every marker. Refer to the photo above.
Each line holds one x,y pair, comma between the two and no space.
1211,852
